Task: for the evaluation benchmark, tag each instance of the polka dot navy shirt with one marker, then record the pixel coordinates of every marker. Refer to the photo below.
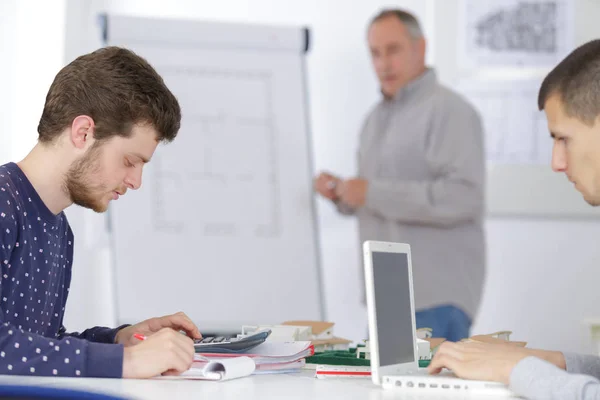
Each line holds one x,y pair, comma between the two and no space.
36,253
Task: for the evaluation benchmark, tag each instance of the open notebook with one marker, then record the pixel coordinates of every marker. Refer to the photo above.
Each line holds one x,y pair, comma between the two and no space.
217,369
234,367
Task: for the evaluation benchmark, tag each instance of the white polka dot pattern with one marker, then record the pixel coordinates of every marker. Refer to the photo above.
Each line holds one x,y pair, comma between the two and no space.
36,253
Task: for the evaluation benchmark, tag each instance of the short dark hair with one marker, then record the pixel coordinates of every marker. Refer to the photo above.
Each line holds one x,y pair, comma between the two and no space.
409,20
117,89
576,79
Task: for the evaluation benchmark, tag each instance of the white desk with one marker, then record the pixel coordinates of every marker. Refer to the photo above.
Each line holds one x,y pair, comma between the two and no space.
301,385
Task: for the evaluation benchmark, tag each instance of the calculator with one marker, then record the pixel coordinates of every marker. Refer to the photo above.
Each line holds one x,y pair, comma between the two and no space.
225,344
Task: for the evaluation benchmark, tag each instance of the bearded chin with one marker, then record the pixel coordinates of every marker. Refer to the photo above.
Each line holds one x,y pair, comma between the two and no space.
82,195
78,183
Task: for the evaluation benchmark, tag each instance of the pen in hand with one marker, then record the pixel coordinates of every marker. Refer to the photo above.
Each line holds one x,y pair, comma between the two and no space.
197,356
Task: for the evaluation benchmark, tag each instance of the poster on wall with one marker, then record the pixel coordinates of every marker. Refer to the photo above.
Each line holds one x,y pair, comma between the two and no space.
516,132
515,33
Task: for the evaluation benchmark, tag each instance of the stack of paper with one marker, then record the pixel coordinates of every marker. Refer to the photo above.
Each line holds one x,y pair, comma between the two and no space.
268,357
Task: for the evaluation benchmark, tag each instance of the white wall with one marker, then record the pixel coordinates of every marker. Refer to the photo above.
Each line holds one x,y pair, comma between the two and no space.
31,47
543,281
7,71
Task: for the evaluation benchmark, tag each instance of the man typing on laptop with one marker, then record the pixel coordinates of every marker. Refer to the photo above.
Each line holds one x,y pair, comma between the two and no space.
570,96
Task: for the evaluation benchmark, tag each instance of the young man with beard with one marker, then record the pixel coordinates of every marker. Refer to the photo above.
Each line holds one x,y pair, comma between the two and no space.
104,115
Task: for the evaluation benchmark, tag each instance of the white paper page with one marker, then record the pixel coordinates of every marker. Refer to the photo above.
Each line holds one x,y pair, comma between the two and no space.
218,370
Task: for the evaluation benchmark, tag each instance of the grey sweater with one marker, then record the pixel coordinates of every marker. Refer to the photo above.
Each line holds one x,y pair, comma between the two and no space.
534,378
422,153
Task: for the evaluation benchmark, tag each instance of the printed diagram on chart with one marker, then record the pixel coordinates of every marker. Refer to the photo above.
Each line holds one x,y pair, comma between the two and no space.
224,157
516,132
515,32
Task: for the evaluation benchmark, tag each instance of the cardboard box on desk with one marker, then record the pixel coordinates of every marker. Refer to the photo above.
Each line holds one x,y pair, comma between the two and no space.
333,344
322,336
502,337
493,340
434,343
320,330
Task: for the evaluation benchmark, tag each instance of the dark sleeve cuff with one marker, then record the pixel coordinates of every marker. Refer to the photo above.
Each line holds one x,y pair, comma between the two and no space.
104,360
112,334
104,335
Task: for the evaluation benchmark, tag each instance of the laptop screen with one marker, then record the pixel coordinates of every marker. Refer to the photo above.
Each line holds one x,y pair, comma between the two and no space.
392,302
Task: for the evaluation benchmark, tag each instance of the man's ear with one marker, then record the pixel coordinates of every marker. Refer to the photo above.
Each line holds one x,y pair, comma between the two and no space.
82,131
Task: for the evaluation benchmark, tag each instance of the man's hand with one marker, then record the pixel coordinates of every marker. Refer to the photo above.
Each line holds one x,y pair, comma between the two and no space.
177,322
165,352
325,184
478,361
352,192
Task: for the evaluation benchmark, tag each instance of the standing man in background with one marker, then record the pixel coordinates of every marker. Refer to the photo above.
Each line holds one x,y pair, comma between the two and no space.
421,176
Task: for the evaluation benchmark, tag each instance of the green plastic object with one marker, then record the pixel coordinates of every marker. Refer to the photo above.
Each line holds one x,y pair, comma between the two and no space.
346,358
338,358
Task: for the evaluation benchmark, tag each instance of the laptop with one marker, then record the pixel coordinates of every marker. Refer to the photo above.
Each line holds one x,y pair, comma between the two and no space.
392,329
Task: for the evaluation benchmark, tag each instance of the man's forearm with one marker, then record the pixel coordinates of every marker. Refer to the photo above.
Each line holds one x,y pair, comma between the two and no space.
585,364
